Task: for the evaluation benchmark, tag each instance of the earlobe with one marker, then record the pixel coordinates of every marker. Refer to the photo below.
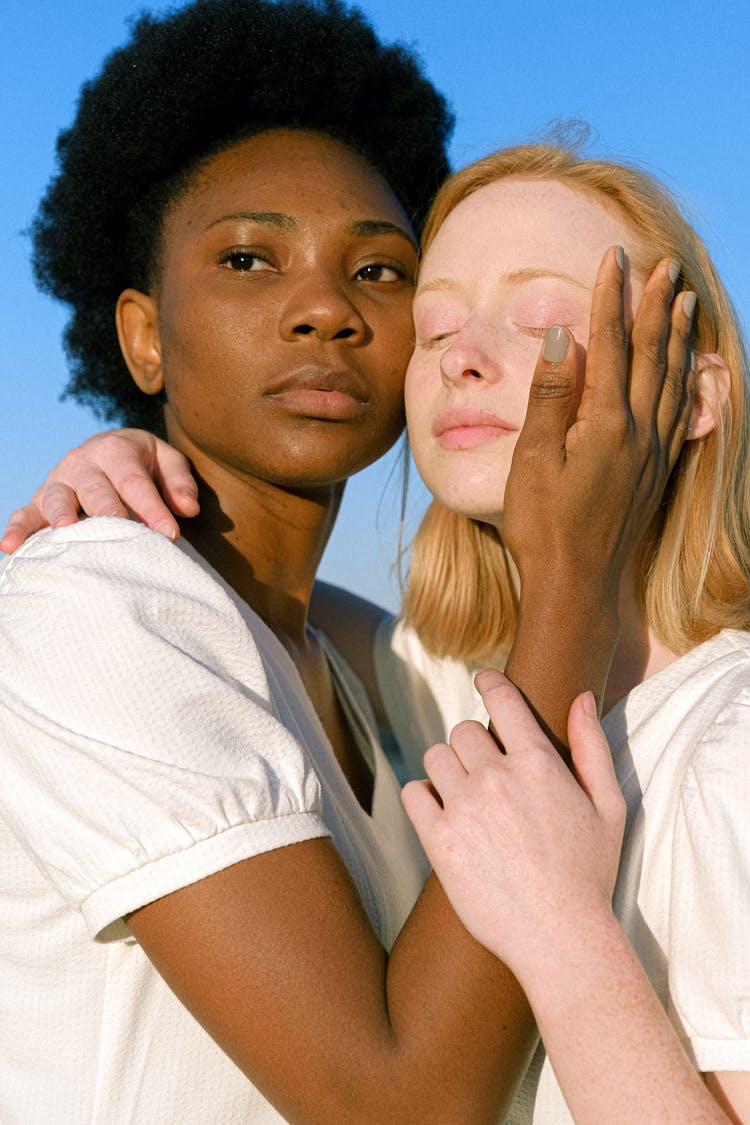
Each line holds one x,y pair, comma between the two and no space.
713,384
138,333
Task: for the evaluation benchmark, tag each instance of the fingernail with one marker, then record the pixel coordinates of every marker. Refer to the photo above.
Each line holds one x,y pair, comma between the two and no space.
168,529
555,344
689,301
482,675
675,269
588,703
691,364
620,257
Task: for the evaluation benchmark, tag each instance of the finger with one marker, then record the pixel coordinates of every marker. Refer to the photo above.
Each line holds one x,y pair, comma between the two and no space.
140,493
93,495
444,768
678,394
422,808
474,744
653,377
608,349
552,398
511,718
21,524
592,761
175,480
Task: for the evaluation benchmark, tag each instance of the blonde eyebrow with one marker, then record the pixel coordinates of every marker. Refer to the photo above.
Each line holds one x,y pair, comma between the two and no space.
518,277
513,277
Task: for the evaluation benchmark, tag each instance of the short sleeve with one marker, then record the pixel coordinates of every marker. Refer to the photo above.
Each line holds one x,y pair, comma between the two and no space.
424,696
139,743
709,957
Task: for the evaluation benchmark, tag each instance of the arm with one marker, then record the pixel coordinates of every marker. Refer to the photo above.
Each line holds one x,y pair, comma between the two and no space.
539,896
273,953
580,496
116,473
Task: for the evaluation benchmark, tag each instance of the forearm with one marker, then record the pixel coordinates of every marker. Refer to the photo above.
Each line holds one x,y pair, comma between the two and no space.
303,997
564,644
615,1053
444,988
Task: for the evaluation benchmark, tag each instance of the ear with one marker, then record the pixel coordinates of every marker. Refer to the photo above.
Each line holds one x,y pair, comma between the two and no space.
712,391
138,332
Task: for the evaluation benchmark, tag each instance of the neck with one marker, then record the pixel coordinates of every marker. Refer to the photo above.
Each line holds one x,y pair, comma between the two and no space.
265,541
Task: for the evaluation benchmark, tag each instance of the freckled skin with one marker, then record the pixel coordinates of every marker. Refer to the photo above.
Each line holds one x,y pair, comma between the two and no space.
479,335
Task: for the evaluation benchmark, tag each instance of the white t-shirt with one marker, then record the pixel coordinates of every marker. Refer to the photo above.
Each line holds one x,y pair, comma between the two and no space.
681,747
152,731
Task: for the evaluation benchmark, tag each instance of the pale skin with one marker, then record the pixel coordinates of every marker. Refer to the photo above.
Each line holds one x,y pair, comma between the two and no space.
540,243
370,1047
545,907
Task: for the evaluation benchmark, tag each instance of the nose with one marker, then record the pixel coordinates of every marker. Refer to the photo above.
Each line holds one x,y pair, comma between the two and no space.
322,308
470,356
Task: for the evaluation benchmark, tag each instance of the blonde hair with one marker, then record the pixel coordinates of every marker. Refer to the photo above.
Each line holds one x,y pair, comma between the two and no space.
696,555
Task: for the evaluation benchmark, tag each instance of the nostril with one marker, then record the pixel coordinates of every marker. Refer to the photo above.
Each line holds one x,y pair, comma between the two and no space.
304,329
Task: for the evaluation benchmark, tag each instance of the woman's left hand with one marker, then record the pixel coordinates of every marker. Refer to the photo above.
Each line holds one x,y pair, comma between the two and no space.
522,849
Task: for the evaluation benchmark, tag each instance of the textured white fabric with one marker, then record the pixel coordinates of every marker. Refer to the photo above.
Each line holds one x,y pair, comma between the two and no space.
681,747
423,696
152,731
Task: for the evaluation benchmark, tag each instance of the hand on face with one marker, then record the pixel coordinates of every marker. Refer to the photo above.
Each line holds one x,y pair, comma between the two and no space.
523,851
508,263
581,495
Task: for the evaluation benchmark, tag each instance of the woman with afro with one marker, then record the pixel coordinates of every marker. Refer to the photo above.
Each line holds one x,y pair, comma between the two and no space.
214,907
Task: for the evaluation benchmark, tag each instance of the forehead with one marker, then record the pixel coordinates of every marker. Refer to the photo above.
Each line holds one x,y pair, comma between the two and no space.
529,223
292,171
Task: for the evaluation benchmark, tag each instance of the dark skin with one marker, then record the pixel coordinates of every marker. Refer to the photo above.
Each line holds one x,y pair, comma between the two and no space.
313,282
437,1030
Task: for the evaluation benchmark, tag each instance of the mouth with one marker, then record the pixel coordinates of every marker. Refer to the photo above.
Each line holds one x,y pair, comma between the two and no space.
321,392
466,427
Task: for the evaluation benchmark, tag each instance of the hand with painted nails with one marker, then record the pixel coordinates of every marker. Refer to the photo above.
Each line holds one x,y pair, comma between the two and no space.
604,427
606,421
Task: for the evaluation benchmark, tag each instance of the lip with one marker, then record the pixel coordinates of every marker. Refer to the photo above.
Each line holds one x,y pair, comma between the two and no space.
465,427
321,392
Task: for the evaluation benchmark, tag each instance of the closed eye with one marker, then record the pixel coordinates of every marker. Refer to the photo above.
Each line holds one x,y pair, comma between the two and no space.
539,333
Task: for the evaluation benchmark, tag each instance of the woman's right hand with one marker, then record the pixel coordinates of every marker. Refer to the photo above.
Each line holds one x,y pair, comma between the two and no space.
125,473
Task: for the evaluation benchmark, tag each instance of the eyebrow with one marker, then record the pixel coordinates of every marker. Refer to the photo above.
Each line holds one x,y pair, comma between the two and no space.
363,228
513,277
267,218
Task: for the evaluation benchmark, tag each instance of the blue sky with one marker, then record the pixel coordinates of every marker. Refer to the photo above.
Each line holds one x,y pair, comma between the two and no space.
663,84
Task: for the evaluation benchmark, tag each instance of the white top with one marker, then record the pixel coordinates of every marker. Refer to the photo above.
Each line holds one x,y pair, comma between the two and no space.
152,731
423,696
681,747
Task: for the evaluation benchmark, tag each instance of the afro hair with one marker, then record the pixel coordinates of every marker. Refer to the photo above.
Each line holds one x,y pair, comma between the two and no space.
185,86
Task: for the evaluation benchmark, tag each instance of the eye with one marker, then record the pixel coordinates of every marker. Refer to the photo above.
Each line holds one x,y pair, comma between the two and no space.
241,259
539,332
381,271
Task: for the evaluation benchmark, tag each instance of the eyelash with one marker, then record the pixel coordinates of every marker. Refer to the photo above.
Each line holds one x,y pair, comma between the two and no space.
236,252
399,271
538,333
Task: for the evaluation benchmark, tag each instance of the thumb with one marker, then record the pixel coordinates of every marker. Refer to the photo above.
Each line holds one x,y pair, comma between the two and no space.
592,761
553,394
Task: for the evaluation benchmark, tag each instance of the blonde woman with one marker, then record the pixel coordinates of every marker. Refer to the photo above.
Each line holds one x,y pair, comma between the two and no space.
512,248
511,256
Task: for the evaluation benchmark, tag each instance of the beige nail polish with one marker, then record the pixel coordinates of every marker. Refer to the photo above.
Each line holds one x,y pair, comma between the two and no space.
555,344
